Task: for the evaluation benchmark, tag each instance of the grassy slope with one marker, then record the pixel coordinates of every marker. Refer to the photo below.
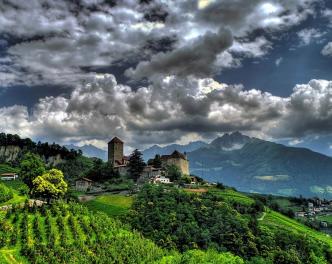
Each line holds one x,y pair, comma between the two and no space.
14,185
4,168
111,204
230,194
326,218
276,220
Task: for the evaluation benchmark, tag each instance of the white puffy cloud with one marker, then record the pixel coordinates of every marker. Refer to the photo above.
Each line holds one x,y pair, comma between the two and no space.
172,109
327,50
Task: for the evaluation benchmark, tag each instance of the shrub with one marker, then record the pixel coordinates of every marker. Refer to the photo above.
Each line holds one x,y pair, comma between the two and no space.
5,193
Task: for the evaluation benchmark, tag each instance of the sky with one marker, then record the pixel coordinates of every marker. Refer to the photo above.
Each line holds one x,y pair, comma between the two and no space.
159,72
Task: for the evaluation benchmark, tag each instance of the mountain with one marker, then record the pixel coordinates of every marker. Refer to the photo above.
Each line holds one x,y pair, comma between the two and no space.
255,165
90,151
155,149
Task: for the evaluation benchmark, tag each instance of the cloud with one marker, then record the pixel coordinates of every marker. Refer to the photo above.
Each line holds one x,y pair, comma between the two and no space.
308,35
278,61
170,109
308,111
60,41
327,50
196,58
327,13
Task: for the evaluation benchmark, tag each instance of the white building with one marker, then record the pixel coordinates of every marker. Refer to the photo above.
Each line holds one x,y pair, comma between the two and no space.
161,179
9,176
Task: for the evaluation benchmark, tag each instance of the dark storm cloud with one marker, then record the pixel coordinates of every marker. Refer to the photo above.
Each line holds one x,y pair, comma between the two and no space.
174,45
196,59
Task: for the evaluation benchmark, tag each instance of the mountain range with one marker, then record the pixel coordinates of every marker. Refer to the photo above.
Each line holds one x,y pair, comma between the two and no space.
251,165
90,151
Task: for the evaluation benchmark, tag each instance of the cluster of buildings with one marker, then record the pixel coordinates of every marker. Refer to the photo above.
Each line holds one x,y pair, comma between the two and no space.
315,208
150,173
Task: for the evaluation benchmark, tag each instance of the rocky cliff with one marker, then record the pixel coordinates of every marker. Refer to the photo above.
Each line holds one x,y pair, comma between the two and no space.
14,153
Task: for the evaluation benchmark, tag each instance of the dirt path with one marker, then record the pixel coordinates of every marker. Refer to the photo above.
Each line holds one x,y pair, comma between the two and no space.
262,217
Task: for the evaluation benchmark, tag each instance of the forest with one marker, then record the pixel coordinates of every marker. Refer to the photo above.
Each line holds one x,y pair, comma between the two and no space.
183,221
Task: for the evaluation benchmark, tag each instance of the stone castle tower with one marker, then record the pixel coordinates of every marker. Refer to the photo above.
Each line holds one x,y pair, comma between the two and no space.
115,151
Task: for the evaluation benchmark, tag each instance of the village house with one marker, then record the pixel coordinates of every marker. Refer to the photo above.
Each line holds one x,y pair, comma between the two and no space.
161,179
8,176
83,184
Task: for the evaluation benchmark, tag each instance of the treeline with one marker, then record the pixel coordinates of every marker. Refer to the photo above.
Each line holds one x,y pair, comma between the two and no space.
179,220
43,149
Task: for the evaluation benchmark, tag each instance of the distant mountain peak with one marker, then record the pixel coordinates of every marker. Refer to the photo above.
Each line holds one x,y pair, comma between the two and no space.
232,141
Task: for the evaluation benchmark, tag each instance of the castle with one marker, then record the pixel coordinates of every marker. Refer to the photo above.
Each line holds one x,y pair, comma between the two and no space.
120,162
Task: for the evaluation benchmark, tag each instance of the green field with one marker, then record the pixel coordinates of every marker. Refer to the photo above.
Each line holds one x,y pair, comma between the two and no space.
326,218
111,204
276,220
4,168
15,186
231,195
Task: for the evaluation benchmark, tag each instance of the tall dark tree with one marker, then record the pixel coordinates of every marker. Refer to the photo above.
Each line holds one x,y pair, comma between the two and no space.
136,164
31,167
157,161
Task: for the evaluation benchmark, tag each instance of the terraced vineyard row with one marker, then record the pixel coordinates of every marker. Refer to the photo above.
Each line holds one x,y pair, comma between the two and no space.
71,234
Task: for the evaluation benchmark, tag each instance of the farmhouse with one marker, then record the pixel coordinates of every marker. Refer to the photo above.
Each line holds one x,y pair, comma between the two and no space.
8,176
83,184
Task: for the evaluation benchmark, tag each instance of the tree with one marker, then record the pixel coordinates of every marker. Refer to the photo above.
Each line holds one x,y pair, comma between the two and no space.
136,164
173,173
31,167
50,185
156,162
102,171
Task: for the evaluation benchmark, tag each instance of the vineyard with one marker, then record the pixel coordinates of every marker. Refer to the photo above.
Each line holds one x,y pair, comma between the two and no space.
70,233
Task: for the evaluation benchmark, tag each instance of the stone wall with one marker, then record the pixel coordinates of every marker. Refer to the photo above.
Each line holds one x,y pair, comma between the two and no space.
182,164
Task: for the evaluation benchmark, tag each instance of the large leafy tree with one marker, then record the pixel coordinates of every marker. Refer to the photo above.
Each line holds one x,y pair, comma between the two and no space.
31,167
102,171
173,172
136,164
50,185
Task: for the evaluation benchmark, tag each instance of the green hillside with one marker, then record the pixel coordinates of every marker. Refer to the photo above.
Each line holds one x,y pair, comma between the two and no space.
4,168
69,233
226,220
277,221
18,189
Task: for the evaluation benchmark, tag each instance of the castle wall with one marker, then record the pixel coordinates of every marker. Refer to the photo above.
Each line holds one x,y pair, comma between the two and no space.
182,164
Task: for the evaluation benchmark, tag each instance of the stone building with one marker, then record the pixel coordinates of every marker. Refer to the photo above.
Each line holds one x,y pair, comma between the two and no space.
83,184
120,162
115,153
178,159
